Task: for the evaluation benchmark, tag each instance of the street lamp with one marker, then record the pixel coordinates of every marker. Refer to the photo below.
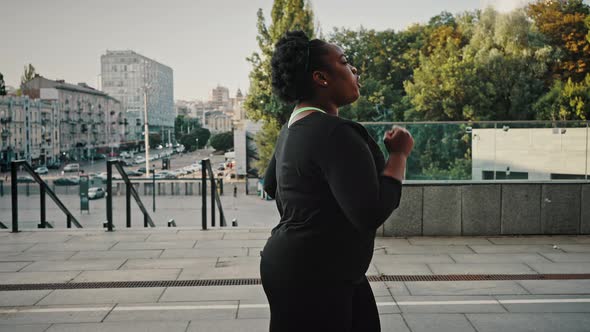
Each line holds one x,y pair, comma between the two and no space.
197,144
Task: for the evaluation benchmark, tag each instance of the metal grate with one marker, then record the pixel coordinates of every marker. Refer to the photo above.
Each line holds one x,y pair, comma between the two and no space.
256,281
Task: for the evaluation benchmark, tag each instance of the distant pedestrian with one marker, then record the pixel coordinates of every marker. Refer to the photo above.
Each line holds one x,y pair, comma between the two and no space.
333,189
235,191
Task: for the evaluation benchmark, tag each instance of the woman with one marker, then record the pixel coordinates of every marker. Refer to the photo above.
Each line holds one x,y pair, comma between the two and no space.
333,189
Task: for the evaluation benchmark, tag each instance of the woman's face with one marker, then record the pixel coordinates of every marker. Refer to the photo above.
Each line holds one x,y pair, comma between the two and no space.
342,78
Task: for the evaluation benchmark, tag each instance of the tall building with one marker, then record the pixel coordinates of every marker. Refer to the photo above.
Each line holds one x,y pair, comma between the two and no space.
86,121
125,76
219,98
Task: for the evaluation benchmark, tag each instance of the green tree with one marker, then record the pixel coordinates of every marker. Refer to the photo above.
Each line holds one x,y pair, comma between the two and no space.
565,101
222,141
184,125
562,22
155,140
190,140
2,85
260,103
28,74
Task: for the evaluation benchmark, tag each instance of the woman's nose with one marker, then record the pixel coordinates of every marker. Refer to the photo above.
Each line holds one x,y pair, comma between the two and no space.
354,70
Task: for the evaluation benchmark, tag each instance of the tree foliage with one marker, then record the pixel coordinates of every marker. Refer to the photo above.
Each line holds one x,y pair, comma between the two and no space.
28,74
222,141
2,85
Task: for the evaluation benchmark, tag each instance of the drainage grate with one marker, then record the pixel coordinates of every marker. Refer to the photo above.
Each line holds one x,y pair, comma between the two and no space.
256,281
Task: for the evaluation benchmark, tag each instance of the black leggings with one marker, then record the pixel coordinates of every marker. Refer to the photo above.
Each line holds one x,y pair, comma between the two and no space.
325,306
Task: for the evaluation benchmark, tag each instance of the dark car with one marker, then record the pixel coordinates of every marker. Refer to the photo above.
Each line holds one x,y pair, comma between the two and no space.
141,170
25,179
96,192
134,173
54,165
67,181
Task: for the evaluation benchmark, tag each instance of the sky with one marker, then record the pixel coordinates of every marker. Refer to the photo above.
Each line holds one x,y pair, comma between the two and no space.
205,42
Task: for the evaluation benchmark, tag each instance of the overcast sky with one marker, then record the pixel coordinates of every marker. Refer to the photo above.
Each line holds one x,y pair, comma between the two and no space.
205,42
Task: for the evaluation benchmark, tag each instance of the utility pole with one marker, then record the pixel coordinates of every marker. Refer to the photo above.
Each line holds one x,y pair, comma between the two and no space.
146,134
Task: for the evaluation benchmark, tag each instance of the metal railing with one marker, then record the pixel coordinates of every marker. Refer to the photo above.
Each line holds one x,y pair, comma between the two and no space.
43,189
215,199
130,191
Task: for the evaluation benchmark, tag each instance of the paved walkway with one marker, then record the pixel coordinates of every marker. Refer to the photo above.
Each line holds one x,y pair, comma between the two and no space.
79,256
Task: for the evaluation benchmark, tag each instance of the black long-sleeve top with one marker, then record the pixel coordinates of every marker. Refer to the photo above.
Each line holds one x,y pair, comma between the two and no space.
325,175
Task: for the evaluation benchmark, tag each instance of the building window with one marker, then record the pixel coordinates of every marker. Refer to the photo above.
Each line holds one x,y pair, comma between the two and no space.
489,175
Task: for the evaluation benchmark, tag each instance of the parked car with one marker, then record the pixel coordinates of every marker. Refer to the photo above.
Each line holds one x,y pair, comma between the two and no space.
54,165
134,173
41,170
67,181
25,179
126,162
141,170
168,175
96,192
72,168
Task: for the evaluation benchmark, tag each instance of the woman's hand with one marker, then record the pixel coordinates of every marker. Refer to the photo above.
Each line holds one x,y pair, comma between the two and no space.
399,140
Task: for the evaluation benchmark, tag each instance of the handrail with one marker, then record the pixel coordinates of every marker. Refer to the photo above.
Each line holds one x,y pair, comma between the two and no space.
129,192
44,189
475,122
206,166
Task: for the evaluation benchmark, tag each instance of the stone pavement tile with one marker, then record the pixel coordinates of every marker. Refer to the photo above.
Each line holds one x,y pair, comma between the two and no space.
396,288
582,239
102,296
379,288
231,325
528,240
464,288
556,286
36,256
578,267
12,266
38,237
391,242
141,326
447,241
254,252
226,268
402,269
568,257
15,247
229,243
547,306
438,322
260,311
111,254
434,249
185,311
71,246
128,275
531,322
186,236
575,247
512,249
24,328
474,268
170,263
37,277
208,252
386,305
448,304
246,236
109,237
214,293
500,258
79,265
412,258
393,322
20,298
48,315
184,244
372,270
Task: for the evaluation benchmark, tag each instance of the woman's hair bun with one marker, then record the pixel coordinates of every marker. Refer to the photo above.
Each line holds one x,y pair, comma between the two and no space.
288,66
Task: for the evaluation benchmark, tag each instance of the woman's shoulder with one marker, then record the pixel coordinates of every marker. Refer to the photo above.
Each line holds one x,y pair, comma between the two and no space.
341,125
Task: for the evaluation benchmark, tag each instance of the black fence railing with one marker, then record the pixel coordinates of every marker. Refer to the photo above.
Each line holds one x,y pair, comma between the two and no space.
215,199
129,192
43,190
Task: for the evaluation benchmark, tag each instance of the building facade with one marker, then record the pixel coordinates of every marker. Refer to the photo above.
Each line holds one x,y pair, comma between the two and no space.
130,77
84,122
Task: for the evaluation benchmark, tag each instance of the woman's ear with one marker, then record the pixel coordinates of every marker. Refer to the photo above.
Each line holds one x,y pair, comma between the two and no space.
320,78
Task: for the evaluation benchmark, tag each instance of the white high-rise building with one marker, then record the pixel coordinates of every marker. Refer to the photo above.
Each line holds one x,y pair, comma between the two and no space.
125,75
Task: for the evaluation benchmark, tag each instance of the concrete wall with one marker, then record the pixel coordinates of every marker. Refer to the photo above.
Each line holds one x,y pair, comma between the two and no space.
499,208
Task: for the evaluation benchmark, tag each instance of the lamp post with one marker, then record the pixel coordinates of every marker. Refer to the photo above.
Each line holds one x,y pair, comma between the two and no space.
197,144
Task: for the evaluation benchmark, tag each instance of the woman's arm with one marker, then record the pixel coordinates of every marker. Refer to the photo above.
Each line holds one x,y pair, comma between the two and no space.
365,197
270,178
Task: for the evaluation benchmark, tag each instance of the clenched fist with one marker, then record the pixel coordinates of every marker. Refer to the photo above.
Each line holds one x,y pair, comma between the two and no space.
399,140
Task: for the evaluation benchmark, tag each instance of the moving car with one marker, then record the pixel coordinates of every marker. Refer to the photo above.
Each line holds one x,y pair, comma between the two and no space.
25,179
41,170
72,168
96,192
67,181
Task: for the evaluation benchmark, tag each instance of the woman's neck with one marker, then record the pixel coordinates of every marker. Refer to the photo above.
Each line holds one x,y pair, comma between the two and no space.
324,106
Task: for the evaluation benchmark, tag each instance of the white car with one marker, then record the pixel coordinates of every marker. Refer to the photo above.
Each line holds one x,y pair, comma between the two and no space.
96,192
72,168
41,170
